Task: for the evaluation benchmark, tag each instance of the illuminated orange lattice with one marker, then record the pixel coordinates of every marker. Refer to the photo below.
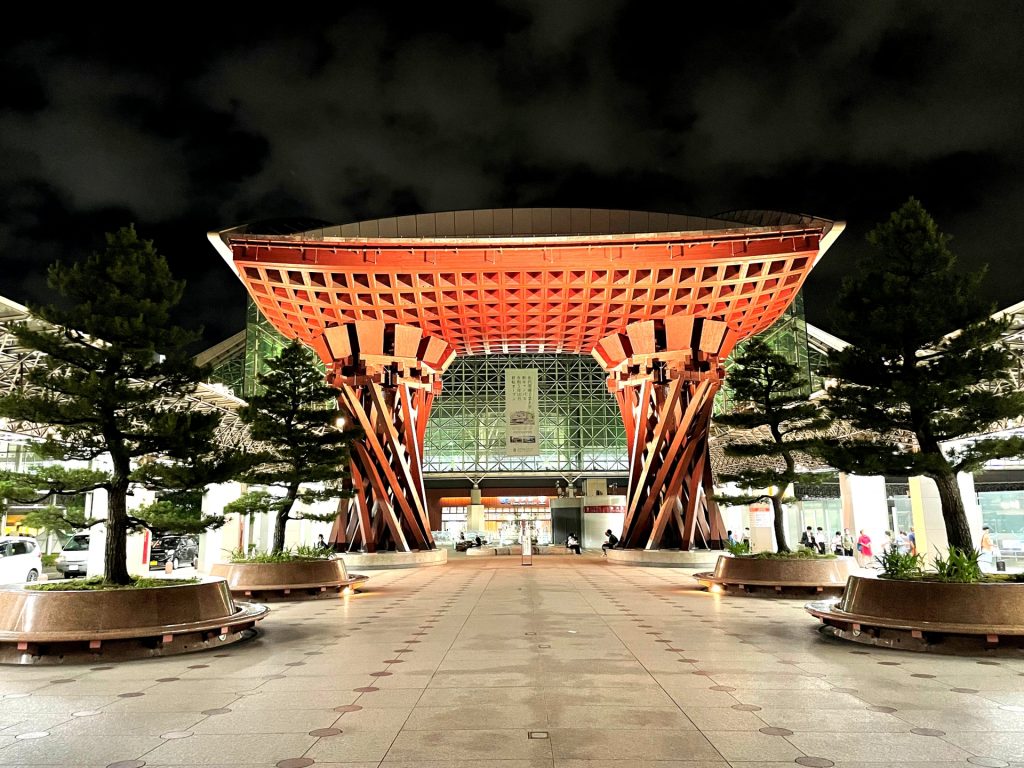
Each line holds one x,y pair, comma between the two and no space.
529,280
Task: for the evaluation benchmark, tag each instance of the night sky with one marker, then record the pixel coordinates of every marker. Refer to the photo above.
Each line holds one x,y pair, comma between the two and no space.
191,123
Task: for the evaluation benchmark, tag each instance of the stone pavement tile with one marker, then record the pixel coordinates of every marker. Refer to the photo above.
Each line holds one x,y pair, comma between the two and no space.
704,697
1005,746
257,722
481,763
964,719
76,750
194,702
352,746
528,716
276,700
114,723
183,687
452,697
616,718
771,682
461,678
815,701
637,763
21,686
836,720
647,696
586,743
467,744
723,719
751,745
227,750
932,699
892,748
52,705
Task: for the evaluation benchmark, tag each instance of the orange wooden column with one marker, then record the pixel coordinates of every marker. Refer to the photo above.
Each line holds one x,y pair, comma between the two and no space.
388,375
664,374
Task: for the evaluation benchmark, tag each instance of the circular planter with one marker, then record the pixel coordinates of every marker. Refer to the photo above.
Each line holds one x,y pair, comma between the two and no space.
41,627
751,575
663,558
296,580
926,615
373,560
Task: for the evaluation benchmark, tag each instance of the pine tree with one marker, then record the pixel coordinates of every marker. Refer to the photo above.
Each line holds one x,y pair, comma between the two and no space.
114,384
295,417
925,367
769,393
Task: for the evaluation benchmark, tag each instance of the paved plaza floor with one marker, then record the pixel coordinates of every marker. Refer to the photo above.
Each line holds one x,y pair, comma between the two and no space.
570,663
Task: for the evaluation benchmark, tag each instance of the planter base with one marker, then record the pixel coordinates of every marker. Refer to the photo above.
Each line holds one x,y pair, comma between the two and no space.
663,558
777,578
369,561
38,627
298,580
926,616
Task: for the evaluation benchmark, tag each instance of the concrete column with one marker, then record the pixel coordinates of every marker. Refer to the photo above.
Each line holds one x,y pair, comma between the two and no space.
214,545
929,525
865,506
96,507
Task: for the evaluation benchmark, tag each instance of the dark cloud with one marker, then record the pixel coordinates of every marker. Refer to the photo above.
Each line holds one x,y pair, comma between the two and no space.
842,110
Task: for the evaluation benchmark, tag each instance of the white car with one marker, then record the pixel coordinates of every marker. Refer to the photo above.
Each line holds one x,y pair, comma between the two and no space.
19,559
74,557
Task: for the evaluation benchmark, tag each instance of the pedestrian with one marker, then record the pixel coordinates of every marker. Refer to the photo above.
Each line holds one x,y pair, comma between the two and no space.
746,539
903,543
730,538
864,553
987,549
573,544
321,544
848,543
837,544
611,543
886,542
913,542
819,538
807,538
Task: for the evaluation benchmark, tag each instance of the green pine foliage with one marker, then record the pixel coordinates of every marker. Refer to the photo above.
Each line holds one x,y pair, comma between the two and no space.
115,386
295,418
768,392
907,372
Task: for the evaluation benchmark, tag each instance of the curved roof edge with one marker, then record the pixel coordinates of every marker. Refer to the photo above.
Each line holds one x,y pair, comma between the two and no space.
534,222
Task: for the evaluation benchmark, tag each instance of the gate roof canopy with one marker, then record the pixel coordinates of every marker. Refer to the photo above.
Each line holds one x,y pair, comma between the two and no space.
518,280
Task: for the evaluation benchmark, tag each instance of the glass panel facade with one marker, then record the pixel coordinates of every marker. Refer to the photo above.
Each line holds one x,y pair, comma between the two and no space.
580,426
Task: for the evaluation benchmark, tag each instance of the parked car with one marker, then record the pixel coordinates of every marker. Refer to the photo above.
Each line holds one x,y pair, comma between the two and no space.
178,550
19,559
71,563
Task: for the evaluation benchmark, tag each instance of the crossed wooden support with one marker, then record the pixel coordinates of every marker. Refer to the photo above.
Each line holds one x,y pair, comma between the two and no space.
664,374
388,375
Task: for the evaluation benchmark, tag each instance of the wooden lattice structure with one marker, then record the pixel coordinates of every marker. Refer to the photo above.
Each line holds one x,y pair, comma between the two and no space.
555,280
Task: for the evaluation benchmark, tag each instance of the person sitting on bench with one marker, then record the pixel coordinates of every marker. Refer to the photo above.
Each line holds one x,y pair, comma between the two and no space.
573,544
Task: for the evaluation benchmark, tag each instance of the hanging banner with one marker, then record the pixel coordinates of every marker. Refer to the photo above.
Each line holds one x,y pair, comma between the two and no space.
522,420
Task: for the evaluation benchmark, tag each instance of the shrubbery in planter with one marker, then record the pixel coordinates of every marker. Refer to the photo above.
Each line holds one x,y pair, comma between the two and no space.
299,554
99,584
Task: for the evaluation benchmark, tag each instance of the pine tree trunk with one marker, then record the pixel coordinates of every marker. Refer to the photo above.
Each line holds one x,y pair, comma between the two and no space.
780,523
115,557
958,532
282,517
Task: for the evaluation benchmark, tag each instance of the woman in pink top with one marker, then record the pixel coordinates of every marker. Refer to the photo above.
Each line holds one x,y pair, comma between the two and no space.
863,549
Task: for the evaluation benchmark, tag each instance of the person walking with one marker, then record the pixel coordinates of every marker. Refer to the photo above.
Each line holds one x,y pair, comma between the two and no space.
819,538
864,553
837,544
